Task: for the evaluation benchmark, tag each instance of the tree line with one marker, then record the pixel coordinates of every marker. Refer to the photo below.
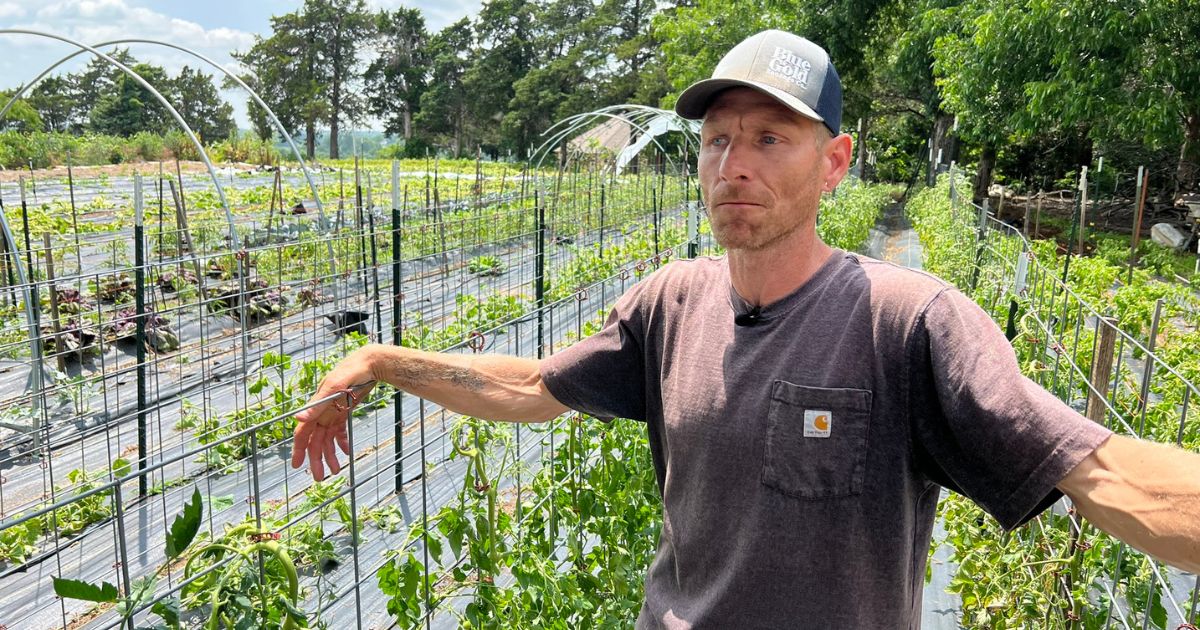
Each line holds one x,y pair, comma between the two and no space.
1026,89
1034,88
493,82
102,99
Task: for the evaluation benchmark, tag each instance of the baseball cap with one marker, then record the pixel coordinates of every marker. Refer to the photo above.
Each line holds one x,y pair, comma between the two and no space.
793,70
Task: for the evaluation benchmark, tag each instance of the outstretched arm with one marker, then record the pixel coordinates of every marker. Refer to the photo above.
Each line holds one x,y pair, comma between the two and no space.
493,387
1145,494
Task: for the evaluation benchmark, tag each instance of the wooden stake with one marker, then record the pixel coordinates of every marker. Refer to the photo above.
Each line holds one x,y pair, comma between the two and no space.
59,348
1037,218
1083,209
1101,370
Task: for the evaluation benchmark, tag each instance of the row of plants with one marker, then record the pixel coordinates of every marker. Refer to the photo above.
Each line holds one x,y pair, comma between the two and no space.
258,572
1046,574
570,551
286,264
234,594
18,543
598,487
41,149
849,215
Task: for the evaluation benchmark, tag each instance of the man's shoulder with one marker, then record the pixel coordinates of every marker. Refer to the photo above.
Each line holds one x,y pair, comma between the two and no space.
682,281
893,286
682,273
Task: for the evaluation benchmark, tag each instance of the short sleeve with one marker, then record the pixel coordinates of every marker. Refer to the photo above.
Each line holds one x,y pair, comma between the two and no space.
604,375
980,427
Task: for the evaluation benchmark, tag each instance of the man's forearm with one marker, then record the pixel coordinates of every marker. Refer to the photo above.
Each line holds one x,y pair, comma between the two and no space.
1144,493
493,387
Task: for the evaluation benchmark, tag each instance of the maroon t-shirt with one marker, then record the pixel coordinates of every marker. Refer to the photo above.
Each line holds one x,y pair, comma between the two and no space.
799,459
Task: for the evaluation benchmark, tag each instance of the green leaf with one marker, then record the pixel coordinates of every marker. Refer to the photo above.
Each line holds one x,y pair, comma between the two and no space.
141,592
86,591
185,526
121,467
216,504
258,386
168,609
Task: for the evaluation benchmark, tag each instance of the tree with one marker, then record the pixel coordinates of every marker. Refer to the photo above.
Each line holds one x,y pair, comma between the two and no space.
443,109
96,79
506,53
128,107
1118,70
342,26
53,98
21,116
397,78
633,46
564,77
1085,72
200,105
285,72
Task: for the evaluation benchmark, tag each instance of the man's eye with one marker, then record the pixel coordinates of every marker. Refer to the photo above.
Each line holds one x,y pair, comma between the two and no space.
770,140
717,142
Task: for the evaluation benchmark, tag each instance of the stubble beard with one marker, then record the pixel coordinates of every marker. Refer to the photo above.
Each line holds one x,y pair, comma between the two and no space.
738,235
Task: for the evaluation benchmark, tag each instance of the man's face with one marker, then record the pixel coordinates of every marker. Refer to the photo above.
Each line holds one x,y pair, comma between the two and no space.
762,169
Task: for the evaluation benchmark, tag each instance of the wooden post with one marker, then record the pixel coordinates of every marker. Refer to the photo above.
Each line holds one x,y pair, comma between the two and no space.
1142,184
1037,218
184,233
1025,222
55,323
1101,369
1083,208
1143,181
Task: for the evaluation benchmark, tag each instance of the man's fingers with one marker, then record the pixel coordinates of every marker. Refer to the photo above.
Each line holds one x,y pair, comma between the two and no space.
330,454
302,435
314,459
343,441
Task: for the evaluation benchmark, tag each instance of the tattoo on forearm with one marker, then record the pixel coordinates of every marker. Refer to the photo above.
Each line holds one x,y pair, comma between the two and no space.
415,372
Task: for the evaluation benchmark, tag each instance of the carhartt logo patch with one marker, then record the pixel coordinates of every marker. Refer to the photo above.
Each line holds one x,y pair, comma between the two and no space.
817,423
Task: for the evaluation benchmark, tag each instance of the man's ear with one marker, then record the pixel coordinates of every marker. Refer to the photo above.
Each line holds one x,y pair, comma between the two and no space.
836,153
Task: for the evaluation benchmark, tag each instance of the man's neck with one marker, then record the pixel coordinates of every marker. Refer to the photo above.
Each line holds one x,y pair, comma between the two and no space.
762,277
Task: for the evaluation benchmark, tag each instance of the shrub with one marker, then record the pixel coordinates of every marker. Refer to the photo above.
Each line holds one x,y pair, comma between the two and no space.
147,146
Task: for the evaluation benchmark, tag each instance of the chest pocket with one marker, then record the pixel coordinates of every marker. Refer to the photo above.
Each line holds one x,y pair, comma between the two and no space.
816,444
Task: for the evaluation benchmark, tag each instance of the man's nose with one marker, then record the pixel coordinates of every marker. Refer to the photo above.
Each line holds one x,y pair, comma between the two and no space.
735,162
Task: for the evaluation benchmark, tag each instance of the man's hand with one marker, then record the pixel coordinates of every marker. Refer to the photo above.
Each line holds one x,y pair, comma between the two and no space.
492,387
1145,494
320,426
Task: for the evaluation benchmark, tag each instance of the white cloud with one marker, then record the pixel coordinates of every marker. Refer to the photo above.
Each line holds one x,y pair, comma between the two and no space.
10,10
90,22
94,21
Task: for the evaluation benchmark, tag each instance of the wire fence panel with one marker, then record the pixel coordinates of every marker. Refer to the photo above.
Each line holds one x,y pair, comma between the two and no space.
1089,335
171,362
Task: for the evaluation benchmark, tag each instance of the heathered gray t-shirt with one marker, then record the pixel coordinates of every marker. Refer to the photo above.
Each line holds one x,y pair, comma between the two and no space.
799,460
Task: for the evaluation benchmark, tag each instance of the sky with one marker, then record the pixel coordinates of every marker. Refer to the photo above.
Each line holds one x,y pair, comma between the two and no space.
212,28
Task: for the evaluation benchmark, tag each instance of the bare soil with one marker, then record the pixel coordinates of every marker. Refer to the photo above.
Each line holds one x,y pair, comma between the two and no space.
115,170
1109,215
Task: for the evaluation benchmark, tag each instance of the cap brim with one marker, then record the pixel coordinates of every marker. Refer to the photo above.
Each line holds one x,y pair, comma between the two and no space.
694,101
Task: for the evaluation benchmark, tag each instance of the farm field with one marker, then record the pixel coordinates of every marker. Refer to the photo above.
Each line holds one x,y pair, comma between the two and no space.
206,208
233,341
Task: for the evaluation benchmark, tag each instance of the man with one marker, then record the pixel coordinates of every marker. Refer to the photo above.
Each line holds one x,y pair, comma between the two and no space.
803,404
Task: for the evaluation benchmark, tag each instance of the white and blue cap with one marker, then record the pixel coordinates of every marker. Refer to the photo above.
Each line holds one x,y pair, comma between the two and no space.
793,70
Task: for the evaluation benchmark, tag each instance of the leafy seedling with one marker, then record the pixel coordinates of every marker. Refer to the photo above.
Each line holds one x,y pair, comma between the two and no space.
183,530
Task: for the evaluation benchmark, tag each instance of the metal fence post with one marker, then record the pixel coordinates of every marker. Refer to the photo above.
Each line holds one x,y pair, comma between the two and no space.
139,275
397,332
